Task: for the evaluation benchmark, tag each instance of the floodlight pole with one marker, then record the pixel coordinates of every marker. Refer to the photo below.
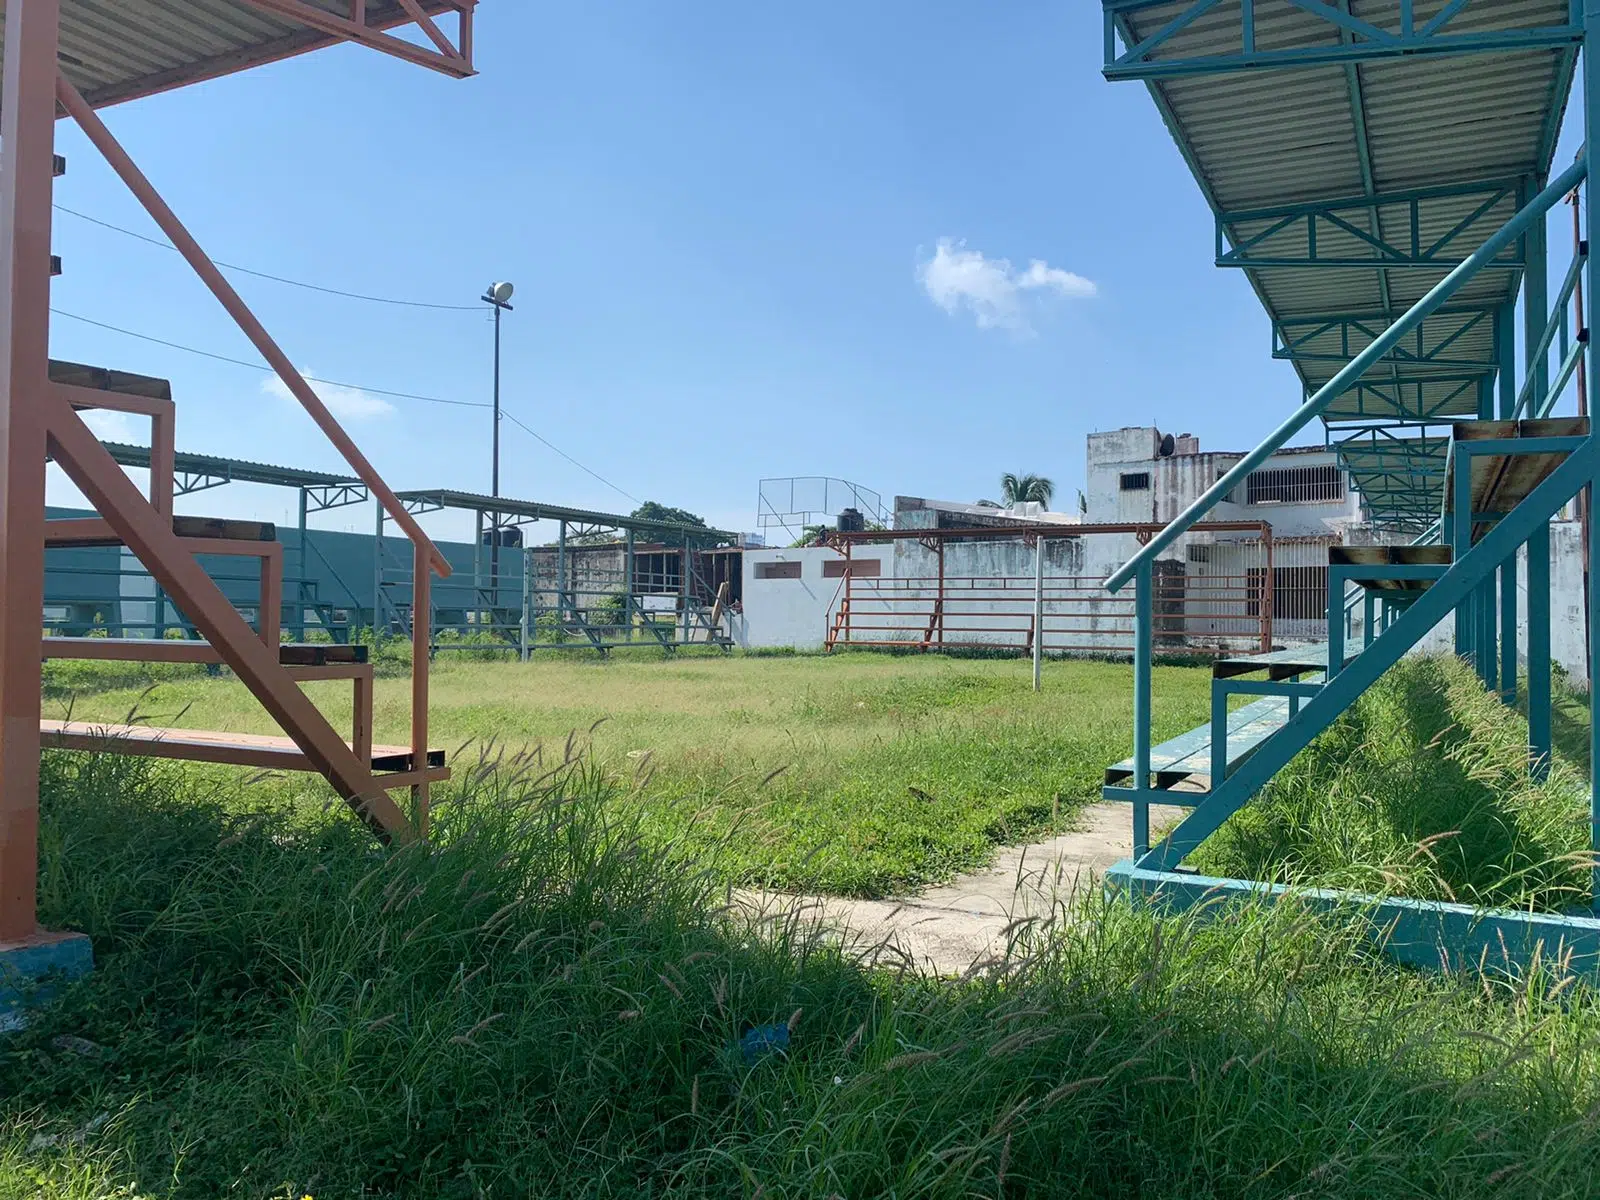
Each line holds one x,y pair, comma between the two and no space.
498,297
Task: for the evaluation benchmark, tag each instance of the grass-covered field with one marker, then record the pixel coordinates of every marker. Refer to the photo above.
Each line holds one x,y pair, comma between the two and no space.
541,1005
858,774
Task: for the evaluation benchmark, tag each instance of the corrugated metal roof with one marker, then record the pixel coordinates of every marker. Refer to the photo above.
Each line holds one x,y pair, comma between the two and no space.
1266,138
234,470
115,50
532,510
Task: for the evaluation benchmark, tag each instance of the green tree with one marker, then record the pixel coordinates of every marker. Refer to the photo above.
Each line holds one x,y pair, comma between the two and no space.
652,511
1026,489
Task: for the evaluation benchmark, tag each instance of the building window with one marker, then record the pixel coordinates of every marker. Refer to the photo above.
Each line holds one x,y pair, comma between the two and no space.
778,570
1298,593
1295,485
858,568
1135,481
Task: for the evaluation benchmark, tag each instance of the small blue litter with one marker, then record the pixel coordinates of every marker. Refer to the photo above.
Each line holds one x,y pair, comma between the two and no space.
762,1041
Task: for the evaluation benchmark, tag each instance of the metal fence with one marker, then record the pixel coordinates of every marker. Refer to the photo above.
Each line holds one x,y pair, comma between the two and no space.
1006,592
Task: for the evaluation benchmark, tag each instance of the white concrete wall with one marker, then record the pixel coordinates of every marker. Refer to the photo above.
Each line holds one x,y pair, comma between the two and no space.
795,612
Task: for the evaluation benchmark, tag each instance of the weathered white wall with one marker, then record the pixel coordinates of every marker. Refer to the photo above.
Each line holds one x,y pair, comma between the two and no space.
795,612
1179,479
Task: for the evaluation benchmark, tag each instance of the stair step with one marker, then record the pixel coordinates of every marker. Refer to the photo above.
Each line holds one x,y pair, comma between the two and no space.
1183,765
1395,556
77,532
1279,664
165,650
1500,482
102,379
231,749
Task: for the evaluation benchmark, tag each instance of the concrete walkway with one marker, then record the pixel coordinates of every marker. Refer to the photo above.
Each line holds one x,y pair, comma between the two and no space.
949,928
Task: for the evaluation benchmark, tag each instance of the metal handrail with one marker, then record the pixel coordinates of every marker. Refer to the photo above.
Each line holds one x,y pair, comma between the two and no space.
123,165
1353,370
1555,324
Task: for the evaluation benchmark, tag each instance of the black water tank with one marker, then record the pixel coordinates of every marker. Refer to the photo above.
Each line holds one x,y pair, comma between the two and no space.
510,536
851,521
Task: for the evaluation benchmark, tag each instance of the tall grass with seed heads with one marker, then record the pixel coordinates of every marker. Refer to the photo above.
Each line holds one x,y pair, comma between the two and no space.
1421,789
541,1003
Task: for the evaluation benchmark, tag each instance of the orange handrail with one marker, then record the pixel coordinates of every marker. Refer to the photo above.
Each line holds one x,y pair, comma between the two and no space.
80,111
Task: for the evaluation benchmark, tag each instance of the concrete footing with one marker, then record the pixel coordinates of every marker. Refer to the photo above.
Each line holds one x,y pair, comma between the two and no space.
37,960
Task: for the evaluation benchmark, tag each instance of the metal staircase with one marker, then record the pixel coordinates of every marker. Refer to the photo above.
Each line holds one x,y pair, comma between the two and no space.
1395,294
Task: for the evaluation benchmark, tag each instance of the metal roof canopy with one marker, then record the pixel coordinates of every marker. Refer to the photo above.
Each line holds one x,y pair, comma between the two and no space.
232,470
1400,478
1347,187
117,50
505,511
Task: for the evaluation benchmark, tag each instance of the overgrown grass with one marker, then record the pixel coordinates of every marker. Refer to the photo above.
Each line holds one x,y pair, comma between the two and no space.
1421,788
858,774
538,1005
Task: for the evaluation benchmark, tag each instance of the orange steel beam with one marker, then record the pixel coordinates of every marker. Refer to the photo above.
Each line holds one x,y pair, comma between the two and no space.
421,646
163,432
425,23
149,535
167,220
27,158
452,62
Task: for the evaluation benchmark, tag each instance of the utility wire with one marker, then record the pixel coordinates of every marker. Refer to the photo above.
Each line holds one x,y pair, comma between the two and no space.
312,287
569,458
239,362
261,366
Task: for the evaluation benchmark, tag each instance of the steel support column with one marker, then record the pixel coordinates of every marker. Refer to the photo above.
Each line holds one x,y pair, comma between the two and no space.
300,570
1506,353
1591,201
1485,606
1539,652
27,148
1144,613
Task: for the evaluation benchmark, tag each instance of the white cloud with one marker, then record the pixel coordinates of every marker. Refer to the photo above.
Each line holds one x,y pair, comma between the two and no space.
1041,274
990,288
346,403
111,426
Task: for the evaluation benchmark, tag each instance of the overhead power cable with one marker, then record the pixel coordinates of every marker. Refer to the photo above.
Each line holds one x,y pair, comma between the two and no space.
310,287
263,367
568,457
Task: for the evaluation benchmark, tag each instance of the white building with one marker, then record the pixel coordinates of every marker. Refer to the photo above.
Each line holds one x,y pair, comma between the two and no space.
1134,476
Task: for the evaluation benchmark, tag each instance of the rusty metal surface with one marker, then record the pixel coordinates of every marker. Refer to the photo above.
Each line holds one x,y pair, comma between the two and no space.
116,50
1502,481
1382,556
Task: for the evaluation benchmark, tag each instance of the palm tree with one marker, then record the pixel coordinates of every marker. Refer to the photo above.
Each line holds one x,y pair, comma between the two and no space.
1026,489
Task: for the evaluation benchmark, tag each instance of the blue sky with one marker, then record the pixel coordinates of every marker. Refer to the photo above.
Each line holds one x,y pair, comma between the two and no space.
747,241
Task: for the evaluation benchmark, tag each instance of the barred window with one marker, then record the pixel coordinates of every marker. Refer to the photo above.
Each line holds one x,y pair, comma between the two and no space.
1298,593
1135,481
1295,485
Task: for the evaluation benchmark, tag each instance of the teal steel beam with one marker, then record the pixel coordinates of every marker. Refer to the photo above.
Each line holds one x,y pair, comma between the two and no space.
1486,657
1369,41
1331,338
1141,708
1506,351
1495,188
1435,299
1369,183
1428,934
1591,203
1539,652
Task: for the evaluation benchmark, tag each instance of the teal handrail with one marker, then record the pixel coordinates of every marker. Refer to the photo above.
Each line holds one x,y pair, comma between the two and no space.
1556,324
1353,370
